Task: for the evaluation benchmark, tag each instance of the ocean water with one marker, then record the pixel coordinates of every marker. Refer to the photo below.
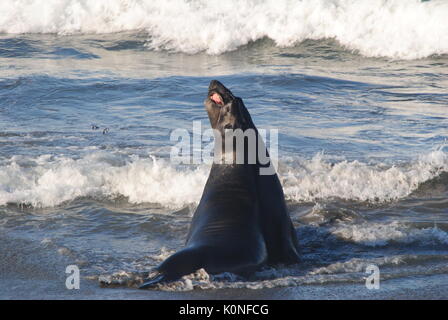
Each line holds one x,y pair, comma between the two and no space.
90,92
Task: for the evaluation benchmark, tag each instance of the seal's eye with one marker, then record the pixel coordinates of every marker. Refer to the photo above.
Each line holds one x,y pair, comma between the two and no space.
216,98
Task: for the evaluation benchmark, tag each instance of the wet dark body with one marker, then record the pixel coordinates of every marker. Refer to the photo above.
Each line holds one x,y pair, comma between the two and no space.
241,222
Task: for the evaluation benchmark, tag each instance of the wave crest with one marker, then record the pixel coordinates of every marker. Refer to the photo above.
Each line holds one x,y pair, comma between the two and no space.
393,28
49,181
310,180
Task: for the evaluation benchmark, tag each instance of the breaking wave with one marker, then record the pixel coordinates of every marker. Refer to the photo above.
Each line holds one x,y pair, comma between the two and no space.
392,28
48,181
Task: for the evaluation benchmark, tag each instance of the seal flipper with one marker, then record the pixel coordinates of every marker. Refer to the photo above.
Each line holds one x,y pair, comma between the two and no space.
152,280
181,263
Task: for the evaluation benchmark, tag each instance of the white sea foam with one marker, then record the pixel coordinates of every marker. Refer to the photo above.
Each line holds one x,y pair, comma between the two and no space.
48,181
313,179
404,29
377,234
350,271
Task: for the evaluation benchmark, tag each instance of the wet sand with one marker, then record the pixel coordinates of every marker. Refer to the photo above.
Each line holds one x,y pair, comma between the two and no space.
39,275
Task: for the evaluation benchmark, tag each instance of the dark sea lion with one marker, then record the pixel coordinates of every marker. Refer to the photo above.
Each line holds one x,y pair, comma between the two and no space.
241,222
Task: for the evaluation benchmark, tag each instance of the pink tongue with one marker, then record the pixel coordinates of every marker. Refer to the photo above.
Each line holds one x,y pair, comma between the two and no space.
216,98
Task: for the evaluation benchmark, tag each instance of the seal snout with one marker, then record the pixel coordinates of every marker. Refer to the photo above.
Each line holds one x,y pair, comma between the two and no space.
215,85
218,93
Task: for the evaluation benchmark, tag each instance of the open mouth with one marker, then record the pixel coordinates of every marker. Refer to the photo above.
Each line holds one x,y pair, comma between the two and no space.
216,98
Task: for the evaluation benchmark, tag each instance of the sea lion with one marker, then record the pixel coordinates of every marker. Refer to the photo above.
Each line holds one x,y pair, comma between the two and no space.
241,222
